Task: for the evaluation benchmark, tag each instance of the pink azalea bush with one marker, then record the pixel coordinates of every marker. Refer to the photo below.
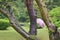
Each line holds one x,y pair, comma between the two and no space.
40,22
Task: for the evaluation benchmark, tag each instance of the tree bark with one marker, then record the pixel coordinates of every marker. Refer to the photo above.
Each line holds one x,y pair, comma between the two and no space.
32,15
53,31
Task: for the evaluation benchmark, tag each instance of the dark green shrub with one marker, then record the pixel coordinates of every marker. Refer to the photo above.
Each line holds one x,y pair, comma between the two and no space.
22,19
4,24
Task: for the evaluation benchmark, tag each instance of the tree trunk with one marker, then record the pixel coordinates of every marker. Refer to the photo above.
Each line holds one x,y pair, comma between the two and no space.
32,15
53,31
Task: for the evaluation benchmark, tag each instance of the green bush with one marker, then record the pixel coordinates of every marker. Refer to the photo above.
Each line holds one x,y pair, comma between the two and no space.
55,15
4,24
22,19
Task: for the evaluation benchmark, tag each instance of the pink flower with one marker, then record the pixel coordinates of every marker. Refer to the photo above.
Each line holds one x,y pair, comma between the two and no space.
40,22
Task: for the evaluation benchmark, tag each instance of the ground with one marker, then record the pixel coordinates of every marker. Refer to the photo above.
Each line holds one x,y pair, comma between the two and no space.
11,34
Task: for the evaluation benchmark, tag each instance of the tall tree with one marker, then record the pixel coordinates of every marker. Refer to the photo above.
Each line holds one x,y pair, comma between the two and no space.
32,15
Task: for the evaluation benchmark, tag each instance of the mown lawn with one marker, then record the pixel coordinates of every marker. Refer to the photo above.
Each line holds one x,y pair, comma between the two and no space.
11,34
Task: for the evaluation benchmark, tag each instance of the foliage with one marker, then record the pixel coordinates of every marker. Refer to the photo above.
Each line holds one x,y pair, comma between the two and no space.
52,4
4,24
7,0
22,19
2,16
20,10
36,9
55,15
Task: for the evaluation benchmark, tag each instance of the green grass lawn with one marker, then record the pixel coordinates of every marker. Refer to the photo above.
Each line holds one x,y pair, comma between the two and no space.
11,34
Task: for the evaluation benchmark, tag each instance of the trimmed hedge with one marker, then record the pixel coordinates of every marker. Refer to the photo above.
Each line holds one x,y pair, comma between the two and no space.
4,24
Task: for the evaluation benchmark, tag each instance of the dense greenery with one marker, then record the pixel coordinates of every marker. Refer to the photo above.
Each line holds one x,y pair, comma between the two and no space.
55,15
2,16
4,24
20,10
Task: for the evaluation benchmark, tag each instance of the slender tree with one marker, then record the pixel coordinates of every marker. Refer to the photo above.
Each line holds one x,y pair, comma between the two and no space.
32,15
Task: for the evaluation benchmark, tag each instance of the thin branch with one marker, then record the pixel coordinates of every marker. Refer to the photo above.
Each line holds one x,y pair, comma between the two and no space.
3,11
45,15
14,23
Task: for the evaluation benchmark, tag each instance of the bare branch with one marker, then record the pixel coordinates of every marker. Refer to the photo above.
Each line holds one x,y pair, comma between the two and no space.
17,27
3,11
14,23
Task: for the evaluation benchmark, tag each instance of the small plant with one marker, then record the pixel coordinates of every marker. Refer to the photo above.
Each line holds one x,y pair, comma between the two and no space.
4,24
